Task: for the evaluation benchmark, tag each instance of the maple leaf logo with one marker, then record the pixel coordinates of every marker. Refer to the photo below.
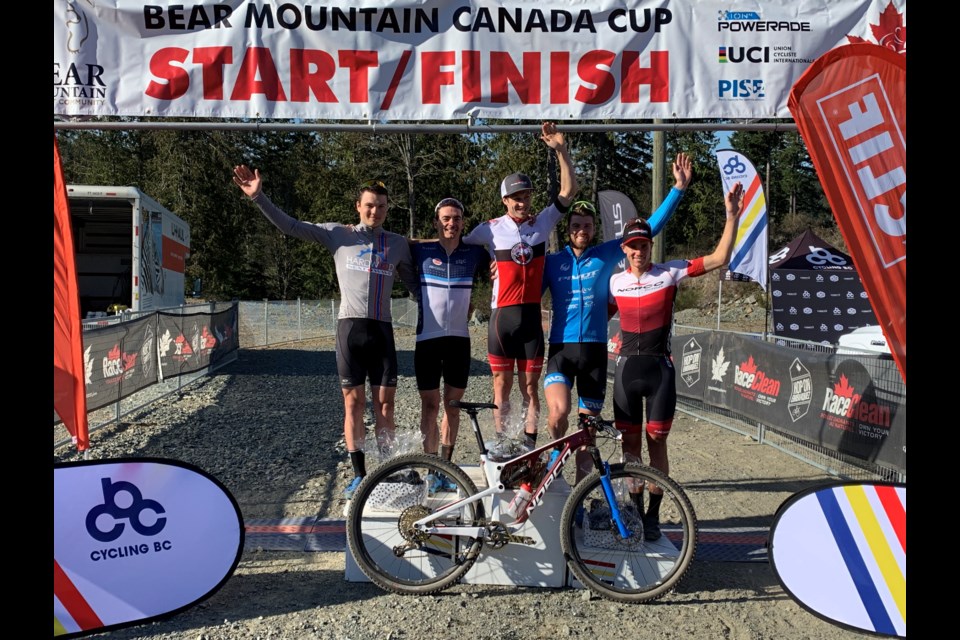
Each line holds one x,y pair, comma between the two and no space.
114,354
842,387
718,367
165,343
890,33
87,365
129,361
749,366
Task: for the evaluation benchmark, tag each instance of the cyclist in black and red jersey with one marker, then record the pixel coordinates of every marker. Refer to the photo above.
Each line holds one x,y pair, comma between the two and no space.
518,242
644,295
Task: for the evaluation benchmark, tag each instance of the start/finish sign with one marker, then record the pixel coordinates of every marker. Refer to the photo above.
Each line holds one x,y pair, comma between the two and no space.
135,539
450,59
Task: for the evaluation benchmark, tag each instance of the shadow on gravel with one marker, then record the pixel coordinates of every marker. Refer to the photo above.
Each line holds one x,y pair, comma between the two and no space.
706,582
283,592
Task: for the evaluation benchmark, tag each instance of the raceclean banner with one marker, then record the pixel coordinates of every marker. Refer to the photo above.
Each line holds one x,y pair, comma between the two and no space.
449,59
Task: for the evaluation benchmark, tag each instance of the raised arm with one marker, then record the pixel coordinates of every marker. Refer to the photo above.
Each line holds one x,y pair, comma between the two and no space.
682,174
721,255
248,181
568,177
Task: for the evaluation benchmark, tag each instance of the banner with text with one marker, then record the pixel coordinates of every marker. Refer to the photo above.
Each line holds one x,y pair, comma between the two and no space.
449,60
851,111
855,405
135,539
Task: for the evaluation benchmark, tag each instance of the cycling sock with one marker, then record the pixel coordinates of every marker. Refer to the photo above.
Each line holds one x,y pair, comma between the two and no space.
446,451
655,499
637,499
532,437
358,462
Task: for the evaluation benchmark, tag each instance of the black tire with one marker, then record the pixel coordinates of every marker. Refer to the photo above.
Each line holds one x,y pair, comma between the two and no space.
630,570
383,506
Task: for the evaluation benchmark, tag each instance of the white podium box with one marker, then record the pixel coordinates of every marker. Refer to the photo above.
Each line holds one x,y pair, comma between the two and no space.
540,564
537,565
607,562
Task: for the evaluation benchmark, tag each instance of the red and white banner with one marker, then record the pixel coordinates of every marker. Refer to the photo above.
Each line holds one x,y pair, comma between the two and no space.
69,372
376,60
137,539
850,109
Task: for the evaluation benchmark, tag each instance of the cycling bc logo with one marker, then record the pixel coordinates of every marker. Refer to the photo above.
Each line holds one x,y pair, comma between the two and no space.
132,513
734,165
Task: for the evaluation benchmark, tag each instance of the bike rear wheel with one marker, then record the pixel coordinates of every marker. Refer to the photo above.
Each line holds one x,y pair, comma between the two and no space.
630,569
380,533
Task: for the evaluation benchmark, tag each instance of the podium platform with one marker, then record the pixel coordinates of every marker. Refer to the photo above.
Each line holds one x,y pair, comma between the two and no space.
538,565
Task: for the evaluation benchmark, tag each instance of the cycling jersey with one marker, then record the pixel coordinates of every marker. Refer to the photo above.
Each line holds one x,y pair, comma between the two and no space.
579,286
519,250
367,260
446,283
646,305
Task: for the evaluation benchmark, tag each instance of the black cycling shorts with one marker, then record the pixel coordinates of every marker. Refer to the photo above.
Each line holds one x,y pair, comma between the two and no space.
650,379
583,362
365,348
447,356
515,334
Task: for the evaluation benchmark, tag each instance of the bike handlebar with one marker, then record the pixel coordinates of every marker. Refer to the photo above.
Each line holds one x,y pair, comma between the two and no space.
596,422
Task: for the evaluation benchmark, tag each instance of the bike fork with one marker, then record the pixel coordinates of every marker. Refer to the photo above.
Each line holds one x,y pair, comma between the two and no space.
604,469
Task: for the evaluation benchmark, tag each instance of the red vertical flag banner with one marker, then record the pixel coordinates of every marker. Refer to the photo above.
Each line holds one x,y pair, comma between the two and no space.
69,388
851,110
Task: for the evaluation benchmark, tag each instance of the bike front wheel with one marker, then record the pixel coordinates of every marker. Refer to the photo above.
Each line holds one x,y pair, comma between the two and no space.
633,568
386,546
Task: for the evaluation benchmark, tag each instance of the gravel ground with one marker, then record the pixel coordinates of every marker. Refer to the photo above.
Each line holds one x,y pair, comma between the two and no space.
269,427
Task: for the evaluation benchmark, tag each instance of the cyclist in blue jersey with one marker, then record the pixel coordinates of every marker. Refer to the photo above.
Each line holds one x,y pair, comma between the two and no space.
578,277
447,268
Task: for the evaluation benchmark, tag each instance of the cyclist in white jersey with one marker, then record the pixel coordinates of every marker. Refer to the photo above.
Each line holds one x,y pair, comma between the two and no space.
517,240
447,268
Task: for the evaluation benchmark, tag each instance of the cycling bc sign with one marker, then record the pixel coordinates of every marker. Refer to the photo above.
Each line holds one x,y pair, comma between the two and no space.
136,539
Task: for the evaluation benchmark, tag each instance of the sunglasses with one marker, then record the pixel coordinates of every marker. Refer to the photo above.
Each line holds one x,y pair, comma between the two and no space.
449,202
373,183
583,205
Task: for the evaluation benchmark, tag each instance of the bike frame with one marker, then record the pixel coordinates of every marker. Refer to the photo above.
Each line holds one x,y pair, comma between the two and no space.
493,471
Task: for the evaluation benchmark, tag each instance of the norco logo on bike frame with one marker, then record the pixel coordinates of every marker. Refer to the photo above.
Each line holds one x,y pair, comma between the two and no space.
138,504
537,499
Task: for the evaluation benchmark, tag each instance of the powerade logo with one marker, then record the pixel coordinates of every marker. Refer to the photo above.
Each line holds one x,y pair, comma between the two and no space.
751,89
743,54
750,21
731,16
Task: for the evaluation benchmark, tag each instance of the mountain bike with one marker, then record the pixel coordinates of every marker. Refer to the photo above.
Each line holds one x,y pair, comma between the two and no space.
410,537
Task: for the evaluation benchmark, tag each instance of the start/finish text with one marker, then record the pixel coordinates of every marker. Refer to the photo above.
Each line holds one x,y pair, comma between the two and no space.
536,77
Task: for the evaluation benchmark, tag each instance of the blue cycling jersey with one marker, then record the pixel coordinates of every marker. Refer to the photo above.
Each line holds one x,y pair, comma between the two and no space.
579,287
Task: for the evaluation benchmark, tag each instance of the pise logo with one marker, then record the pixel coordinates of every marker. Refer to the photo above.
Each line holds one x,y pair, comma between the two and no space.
742,89
132,513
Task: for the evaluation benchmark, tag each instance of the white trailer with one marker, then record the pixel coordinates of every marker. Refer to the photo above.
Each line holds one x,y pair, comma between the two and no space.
131,252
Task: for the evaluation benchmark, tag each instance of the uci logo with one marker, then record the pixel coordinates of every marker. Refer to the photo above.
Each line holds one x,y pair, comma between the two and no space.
131,513
734,165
